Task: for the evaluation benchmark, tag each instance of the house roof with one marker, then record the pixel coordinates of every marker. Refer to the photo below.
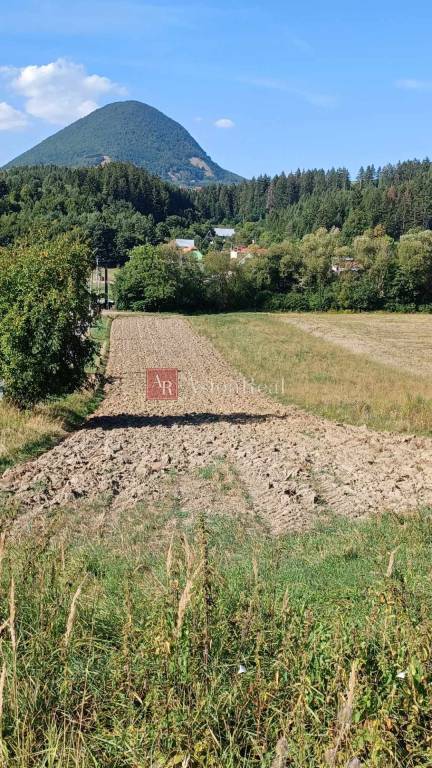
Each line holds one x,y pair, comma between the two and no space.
224,232
182,243
347,265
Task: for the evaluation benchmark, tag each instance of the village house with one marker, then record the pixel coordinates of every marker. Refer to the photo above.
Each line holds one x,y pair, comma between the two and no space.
225,232
188,246
184,244
347,264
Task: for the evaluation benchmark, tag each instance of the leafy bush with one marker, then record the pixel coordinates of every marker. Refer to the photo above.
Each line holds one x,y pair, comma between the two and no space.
394,306
261,299
358,293
146,282
322,300
45,314
286,302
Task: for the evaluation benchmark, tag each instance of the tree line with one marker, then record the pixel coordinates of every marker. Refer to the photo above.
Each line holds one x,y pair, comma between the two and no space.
316,272
118,207
317,241
399,197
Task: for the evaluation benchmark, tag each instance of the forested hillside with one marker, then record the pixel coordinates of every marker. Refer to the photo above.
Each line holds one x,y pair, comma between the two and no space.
399,197
131,132
294,265
138,208
117,206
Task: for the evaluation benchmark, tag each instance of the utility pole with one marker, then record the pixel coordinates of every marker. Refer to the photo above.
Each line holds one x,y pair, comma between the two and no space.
106,288
97,277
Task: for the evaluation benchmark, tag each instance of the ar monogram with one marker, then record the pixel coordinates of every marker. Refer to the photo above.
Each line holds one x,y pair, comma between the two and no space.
161,384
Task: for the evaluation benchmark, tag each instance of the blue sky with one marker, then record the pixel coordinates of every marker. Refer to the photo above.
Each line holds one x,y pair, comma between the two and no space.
262,86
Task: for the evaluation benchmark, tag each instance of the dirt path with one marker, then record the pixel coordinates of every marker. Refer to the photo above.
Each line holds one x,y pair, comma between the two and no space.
293,465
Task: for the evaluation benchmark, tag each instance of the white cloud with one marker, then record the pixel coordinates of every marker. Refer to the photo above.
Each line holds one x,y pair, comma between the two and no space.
10,118
411,84
316,99
224,122
61,91
266,82
302,45
311,97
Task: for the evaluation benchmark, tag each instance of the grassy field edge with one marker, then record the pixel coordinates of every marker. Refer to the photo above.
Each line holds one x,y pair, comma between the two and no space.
319,375
164,639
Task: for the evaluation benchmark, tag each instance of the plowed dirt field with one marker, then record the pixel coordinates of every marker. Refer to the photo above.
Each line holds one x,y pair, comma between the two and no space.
292,466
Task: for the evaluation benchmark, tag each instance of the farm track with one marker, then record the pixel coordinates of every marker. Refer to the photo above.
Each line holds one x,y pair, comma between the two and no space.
293,466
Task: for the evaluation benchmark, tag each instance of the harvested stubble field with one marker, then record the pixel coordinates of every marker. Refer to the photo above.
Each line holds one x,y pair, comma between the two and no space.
151,619
373,370
400,341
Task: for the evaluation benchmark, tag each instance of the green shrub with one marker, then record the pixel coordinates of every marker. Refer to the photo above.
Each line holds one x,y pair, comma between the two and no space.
146,282
322,300
357,292
394,306
287,302
45,314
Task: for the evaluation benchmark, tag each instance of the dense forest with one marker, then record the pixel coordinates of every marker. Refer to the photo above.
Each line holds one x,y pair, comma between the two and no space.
398,197
120,206
321,240
116,207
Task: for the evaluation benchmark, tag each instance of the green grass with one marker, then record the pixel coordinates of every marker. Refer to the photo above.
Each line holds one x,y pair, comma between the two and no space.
139,680
321,376
26,434
161,638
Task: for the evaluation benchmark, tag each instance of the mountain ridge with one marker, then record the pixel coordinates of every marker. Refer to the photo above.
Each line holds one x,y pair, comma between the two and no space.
131,132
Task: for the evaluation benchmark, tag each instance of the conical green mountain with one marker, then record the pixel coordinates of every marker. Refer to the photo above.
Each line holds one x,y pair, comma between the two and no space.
131,132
